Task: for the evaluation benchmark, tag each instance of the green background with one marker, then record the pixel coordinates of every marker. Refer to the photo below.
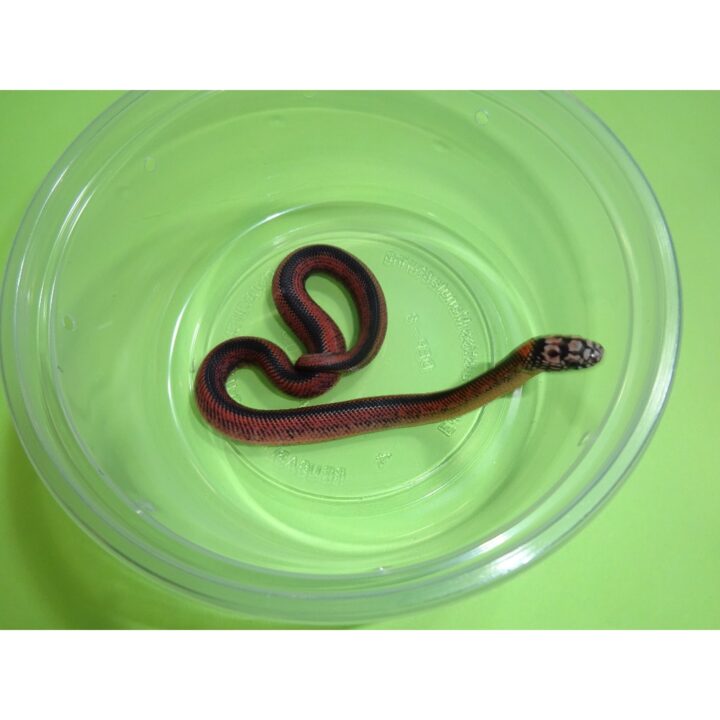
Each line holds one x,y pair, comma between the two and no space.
649,559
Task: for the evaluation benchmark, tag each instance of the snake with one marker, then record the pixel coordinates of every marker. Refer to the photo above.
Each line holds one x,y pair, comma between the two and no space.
327,359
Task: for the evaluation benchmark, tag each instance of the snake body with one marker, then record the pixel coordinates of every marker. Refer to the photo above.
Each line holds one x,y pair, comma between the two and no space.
327,358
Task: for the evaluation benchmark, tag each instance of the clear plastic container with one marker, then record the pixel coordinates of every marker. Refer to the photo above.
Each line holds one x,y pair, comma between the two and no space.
487,218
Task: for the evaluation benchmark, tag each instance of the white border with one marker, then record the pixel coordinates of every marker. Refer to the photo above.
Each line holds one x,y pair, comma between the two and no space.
367,674
377,45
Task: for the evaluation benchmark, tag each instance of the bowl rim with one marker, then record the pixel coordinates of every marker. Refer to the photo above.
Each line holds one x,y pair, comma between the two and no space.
353,606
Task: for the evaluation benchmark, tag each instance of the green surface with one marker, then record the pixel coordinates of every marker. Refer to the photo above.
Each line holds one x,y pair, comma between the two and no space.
649,559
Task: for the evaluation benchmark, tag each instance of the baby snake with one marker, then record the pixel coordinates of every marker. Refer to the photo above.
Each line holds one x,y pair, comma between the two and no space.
327,357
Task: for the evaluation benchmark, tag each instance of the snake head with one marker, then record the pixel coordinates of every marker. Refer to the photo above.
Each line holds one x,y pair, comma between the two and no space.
563,352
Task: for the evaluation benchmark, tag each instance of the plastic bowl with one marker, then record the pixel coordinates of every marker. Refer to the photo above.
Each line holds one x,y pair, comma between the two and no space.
487,218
